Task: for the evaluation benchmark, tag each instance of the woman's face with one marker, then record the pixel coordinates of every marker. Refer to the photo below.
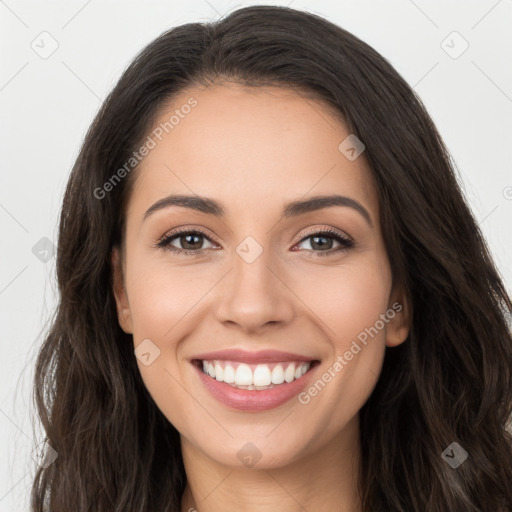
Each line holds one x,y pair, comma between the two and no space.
259,276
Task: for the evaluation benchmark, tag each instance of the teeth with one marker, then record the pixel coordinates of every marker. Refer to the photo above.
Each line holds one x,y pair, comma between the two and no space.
262,377
219,372
278,375
289,373
229,374
243,376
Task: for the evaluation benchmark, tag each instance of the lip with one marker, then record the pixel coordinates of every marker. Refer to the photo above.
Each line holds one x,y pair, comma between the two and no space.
243,356
254,400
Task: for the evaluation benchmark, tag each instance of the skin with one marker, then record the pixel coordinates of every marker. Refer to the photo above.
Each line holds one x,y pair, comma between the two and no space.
253,150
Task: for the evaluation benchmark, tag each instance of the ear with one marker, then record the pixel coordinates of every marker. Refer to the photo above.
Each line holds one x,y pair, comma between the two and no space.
398,327
123,307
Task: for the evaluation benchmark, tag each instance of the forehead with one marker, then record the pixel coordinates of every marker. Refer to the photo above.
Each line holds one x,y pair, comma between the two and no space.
252,146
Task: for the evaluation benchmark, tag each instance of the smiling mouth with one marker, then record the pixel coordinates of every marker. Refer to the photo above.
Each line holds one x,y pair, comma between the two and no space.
252,377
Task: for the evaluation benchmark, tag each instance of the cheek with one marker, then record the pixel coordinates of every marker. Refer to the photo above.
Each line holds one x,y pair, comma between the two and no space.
347,299
162,299
163,295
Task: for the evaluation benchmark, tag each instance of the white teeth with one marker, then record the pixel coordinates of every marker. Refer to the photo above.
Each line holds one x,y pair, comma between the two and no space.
278,375
289,373
262,375
261,378
229,374
219,372
243,375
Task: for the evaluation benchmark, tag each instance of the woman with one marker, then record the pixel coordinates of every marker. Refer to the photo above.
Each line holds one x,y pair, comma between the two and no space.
272,292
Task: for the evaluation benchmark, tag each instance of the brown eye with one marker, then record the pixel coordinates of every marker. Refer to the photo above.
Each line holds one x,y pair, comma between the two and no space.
188,242
322,242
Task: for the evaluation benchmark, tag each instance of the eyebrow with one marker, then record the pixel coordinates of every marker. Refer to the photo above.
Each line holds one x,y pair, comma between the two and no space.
292,209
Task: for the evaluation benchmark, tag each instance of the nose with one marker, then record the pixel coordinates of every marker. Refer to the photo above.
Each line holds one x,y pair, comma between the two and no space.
255,295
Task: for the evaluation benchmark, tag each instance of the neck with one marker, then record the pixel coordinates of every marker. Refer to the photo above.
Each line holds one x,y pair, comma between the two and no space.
323,480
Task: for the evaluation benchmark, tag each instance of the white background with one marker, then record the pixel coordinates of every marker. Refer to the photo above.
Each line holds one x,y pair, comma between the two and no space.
47,105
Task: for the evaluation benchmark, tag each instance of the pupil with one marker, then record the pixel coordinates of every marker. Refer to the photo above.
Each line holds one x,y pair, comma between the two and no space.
187,239
320,244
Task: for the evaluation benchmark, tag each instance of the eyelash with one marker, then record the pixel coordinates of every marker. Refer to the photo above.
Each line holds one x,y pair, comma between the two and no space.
164,242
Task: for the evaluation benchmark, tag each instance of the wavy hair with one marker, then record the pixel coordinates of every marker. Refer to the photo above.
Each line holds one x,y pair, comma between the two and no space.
449,382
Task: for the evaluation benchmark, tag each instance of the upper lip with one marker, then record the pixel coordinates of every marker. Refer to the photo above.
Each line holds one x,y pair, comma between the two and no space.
243,356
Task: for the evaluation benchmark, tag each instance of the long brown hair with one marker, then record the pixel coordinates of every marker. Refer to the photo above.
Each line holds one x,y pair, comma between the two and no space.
449,382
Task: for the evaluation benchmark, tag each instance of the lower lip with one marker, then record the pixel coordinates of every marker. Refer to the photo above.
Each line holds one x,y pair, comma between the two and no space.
252,400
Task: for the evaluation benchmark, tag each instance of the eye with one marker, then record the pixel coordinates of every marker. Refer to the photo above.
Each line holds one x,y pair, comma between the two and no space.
322,242
188,241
